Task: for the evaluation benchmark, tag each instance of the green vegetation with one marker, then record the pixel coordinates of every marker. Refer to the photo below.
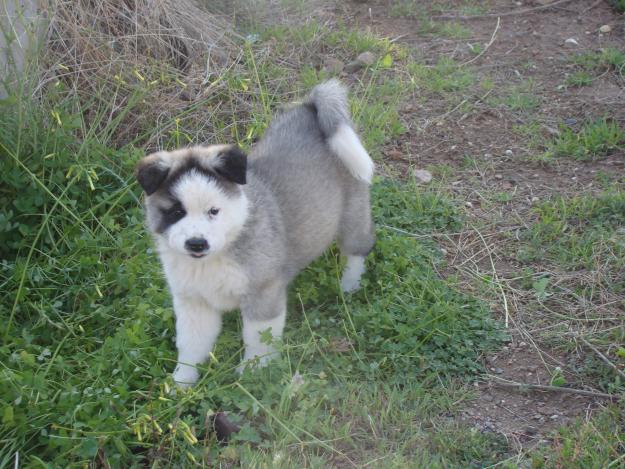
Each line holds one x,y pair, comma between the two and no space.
594,139
600,443
619,5
443,77
580,231
605,59
581,78
88,326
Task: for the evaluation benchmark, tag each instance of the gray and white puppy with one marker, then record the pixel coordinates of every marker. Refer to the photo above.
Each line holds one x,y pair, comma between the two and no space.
232,231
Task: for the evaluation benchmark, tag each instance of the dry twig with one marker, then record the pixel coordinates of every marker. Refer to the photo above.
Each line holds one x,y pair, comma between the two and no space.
541,387
602,356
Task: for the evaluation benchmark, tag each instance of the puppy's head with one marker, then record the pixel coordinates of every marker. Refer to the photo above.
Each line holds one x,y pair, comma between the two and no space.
194,202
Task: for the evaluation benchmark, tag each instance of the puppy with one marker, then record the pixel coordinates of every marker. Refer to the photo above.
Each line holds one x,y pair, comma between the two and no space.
232,231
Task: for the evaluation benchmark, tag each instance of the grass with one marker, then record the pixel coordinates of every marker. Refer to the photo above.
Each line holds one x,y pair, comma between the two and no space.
86,367
445,76
593,140
597,444
88,326
581,78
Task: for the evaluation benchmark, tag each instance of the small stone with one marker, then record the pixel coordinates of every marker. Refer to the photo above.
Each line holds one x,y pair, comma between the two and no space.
423,176
394,154
535,199
554,417
468,204
530,430
498,371
498,176
571,42
537,417
353,66
509,152
488,155
367,58
605,29
570,121
522,344
333,65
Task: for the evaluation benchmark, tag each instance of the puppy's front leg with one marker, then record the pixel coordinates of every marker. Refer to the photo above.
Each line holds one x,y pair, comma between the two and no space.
267,311
197,328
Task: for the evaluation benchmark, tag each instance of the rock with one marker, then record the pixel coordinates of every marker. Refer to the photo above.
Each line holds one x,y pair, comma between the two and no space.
353,66
605,29
530,430
364,59
422,176
571,42
394,154
508,152
498,371
468,204
498,176
367,58
333,65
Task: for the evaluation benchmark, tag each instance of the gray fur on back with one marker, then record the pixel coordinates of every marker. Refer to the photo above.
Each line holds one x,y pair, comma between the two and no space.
302,197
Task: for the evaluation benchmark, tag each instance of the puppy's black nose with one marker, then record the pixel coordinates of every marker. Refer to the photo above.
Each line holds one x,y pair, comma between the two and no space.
196,244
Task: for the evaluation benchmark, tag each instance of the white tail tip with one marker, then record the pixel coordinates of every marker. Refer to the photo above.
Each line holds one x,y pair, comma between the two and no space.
346,144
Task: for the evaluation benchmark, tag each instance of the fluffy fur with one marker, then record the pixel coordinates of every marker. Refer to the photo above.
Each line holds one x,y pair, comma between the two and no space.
233,231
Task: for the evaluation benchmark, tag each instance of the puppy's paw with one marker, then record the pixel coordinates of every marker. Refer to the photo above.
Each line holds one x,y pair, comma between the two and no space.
185,376
350,285
257,360
354,268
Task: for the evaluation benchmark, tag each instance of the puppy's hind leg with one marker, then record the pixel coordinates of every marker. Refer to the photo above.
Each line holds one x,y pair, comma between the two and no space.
264,316
356,236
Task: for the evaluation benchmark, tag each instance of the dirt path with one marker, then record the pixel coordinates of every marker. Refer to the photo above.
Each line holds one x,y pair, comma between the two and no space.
479,140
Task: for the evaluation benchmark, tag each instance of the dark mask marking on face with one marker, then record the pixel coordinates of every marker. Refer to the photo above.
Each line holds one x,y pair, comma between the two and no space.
170,216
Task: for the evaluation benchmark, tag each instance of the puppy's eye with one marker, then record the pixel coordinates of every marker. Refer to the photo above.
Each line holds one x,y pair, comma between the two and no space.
213,211
176,211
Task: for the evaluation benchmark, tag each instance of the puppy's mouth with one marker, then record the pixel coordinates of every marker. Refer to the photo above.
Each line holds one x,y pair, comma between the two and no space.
197,255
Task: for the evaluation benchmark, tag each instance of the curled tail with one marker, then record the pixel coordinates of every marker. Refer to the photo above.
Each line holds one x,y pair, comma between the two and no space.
330,100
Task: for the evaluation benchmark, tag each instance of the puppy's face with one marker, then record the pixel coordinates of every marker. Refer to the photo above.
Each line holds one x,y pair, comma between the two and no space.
194,204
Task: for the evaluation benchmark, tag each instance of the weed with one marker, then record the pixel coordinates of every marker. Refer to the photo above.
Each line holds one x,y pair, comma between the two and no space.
609,58
596,443
444,76
522,98
577,231
581,78
619,5
595,139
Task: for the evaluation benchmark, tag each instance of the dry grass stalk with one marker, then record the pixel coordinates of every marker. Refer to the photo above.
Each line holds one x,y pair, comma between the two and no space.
108,49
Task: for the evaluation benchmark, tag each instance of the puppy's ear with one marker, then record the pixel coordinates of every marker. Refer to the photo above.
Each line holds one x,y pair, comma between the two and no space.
151,172
232,165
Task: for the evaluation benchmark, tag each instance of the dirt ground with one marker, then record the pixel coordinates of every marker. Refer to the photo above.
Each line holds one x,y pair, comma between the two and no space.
529,44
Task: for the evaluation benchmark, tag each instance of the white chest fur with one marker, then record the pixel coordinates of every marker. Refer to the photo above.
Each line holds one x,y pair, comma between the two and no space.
219,280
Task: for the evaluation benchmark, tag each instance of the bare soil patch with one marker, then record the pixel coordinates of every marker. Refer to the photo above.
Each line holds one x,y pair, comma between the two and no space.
487,154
